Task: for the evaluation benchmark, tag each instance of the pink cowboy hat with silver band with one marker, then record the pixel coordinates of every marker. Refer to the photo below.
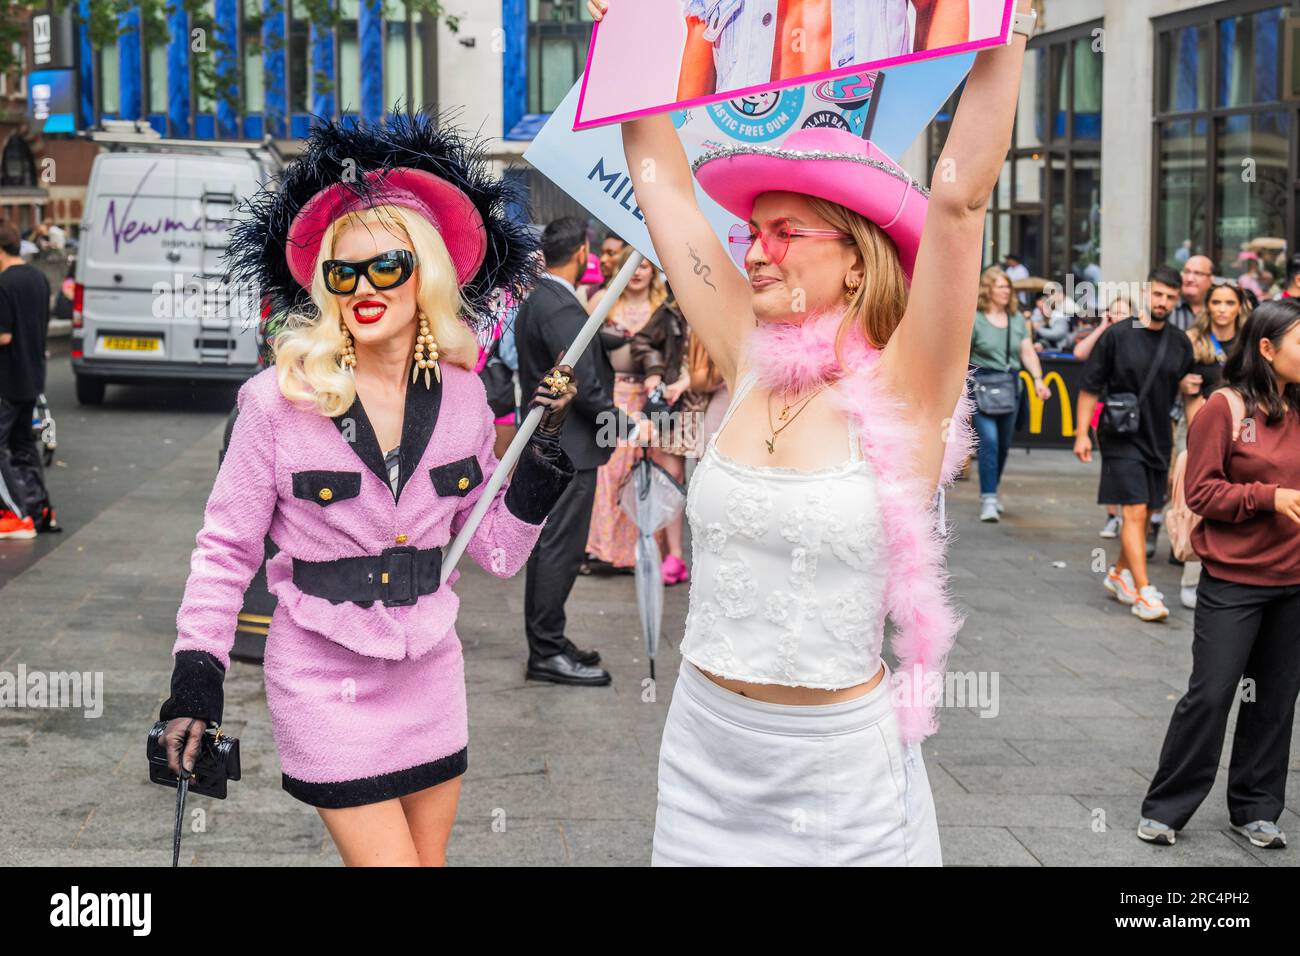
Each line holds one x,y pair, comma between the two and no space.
452,213
830,163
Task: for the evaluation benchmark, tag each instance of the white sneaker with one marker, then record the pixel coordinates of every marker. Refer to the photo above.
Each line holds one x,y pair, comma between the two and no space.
998,502
1121,586
989,509
1111,528
1150,605
1188,597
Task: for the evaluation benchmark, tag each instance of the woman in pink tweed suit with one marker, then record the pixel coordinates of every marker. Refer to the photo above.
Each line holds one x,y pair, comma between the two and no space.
361,453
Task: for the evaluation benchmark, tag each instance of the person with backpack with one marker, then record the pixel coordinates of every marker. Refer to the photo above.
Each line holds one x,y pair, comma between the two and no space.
1213,334
1243,479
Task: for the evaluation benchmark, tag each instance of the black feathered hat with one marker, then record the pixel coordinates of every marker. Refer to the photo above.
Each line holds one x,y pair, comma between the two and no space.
410,161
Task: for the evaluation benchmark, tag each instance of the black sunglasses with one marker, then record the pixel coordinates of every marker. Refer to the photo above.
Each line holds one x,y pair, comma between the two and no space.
387,270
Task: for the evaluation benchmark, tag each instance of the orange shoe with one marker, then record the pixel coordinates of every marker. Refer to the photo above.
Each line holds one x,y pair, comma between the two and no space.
12,526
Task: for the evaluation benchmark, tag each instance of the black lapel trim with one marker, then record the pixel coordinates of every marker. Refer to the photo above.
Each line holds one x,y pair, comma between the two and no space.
363,441
419,416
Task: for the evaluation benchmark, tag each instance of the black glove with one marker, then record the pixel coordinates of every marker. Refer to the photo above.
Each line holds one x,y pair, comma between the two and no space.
181,739
554,393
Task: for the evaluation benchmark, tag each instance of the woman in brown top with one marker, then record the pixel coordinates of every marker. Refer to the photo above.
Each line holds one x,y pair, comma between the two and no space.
659,351
612,538
1243,478
1212,335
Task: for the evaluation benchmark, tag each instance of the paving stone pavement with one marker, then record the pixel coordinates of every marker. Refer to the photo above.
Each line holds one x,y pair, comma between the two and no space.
567,775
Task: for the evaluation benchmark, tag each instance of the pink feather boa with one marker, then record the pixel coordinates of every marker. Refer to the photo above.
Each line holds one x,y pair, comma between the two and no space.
793,357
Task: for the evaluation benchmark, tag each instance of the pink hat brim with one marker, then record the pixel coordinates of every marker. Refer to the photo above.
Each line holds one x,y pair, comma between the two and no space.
451,212
871,184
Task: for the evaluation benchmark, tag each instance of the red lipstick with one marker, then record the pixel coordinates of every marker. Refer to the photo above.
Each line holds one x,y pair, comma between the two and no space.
369,311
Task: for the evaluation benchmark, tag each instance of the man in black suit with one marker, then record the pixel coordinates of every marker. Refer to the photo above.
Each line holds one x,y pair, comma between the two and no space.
545,326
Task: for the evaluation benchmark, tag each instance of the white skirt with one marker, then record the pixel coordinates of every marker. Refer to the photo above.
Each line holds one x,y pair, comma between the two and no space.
743,782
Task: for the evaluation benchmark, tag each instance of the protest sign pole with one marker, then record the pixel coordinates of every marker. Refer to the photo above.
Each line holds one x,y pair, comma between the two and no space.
580,342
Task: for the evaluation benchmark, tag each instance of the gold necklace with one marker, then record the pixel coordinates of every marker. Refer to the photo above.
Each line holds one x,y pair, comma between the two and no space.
786,418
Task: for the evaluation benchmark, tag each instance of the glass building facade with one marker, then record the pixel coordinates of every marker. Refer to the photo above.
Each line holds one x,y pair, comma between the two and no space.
1225,167
267,68
1046,208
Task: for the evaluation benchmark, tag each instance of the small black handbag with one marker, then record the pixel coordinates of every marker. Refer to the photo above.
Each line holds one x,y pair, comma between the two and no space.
1122,413
217,762
998,393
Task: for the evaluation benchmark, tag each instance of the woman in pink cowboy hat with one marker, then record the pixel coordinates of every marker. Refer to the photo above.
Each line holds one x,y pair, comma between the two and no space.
843,338
361,452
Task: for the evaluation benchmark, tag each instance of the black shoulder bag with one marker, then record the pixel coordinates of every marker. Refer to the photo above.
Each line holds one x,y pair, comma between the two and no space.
998,393
1122,414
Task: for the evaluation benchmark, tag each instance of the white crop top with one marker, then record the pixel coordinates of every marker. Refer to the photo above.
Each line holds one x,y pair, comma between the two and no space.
788,570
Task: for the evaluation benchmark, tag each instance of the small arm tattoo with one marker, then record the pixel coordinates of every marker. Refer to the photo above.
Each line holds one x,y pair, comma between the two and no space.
701,269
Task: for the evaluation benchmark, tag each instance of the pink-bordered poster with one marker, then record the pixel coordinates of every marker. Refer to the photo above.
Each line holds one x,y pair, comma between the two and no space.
648,56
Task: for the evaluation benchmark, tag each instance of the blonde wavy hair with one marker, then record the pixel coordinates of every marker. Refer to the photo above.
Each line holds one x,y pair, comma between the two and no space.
658,291
989,279
308,349
877,307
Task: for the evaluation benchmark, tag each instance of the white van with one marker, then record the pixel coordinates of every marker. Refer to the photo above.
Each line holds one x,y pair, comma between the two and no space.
149,302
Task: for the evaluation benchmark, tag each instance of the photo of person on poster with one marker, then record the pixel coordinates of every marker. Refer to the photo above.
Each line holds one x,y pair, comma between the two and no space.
732,44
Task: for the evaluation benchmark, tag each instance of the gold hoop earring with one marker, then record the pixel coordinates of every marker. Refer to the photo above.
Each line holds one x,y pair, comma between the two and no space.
852,290
348,355
424,342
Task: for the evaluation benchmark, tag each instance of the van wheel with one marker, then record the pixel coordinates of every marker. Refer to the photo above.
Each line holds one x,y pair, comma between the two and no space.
90,391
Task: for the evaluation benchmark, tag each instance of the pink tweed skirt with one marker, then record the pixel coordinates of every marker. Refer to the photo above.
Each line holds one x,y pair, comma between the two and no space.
353,730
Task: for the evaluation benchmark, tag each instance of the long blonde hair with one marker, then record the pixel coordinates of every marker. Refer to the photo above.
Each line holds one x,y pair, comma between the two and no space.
308,349
877,307
658,292
989,280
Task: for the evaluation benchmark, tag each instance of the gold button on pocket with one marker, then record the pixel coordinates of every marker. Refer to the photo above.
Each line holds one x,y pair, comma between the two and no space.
401,539
326,488
456,479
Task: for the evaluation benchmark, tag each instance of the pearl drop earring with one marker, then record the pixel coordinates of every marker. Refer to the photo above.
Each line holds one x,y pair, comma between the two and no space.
424,341
348,356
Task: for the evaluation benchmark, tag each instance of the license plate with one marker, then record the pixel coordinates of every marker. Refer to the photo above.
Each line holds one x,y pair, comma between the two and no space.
131,343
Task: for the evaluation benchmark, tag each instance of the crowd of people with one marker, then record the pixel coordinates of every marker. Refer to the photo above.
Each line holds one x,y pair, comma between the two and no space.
1193,395
644,358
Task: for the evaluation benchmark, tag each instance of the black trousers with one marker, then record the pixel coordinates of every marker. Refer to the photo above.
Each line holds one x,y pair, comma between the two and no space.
553,566
1241,630
22,476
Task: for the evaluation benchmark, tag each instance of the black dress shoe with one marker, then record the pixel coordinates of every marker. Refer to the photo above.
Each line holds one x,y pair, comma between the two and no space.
590,658
563,669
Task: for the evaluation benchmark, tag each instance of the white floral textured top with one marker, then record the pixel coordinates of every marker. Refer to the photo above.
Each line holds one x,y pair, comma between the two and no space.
788,570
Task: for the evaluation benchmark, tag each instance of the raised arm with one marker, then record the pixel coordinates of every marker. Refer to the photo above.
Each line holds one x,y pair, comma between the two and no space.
927,357
713,295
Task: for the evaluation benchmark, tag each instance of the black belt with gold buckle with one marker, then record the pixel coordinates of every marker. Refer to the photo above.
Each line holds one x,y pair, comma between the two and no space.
397,576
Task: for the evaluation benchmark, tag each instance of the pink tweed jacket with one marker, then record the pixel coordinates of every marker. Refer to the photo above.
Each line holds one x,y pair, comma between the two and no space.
320,488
